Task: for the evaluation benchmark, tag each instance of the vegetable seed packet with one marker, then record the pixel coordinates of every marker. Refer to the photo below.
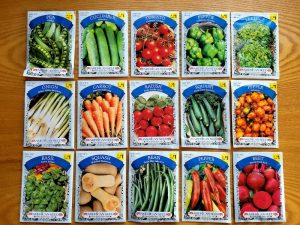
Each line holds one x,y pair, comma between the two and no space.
50,44
206,44
47,184
103,38
155,43
101,186
102,116
153,186
255,45
154,114
205,120
254,114
258,187
49,114
206,187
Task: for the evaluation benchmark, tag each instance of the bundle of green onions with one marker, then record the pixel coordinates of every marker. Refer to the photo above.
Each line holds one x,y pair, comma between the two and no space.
49,117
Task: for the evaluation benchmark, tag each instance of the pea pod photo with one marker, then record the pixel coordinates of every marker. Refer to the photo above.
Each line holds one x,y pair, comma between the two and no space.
255,45
47,187
103,43
153,188
51,43
259,187
205,187
49,114
101,186
155,38
206,44
205,121
255,114
102,117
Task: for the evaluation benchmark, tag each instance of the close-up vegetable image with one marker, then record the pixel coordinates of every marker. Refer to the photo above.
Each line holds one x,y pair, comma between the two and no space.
49,118
205,46
155,45
205,189
153,116
46,189
100,189
204,115
102,45
101,116
254,116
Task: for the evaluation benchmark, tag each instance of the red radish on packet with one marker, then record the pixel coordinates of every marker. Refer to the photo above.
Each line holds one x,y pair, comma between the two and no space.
258,187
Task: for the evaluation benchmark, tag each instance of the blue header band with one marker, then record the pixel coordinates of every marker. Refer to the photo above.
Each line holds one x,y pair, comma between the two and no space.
153,87
47,159
258,159
136,164
53,19
102,87
101,159
204,87
203,18
49,88
102,17
255,87
255,19
155,18
206,160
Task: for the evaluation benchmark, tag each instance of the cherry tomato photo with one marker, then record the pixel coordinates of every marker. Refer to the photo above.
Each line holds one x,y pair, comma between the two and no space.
140,62
147,53
166,62
151,44
163,29
138,45
164,51
157,59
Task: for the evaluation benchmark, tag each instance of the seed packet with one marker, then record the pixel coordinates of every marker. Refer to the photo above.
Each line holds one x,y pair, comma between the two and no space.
103,38
102,116
155,43
205,44
49,114
205,120
154,114
254,114
153,187
50,44
206,187
100,186
47,184
255,45
258,187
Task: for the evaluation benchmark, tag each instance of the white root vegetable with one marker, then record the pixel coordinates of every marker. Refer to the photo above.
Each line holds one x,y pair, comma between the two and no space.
91,182
118,181
109,202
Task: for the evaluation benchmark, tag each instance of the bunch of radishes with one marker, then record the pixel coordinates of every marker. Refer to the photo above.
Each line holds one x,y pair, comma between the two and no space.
259,189
156,122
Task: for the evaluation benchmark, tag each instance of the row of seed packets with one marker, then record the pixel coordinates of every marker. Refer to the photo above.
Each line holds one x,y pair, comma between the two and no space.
103,44
154,114
101,195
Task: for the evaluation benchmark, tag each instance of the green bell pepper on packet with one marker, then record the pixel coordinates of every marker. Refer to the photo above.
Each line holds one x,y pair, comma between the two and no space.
210,50
196,53
217,33
190,60
195,32
216,62
204,62
190,43
206,38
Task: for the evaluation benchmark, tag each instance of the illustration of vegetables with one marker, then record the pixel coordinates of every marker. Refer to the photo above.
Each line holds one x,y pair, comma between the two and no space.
102,116
207,192
254,46
46,189
155,45
204,115
254,116
205,45
102,45
259,190
48,116
49,46
153,186
154,116
101,184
